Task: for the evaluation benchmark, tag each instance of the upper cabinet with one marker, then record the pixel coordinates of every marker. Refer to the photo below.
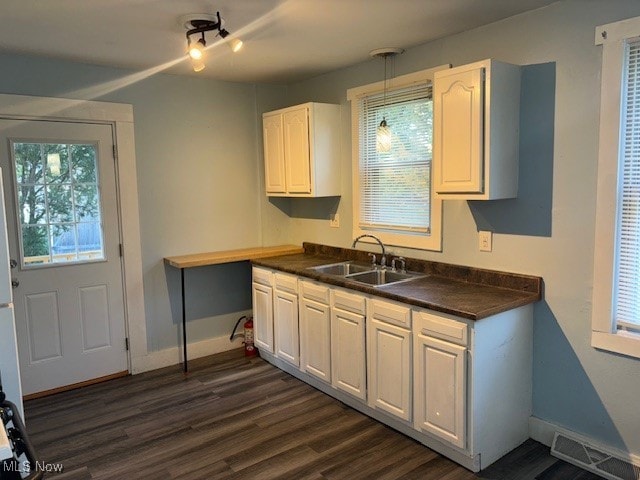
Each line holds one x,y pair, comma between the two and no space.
476,115
302,151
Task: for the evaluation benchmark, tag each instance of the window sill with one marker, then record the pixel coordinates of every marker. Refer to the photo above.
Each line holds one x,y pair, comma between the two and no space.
432,242
624,343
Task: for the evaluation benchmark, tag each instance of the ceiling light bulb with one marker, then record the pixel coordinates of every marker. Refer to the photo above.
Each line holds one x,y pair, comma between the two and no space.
236,45
198,65
383,137
196,50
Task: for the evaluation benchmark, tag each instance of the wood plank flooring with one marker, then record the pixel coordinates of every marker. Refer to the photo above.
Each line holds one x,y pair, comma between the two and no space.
235,418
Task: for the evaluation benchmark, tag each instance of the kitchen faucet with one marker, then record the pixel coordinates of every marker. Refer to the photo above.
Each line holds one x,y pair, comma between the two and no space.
383,260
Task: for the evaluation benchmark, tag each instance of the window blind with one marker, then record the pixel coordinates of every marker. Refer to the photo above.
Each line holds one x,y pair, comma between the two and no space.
627,294
395,185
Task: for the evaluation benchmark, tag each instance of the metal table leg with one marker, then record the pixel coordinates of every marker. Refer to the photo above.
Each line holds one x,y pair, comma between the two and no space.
184,325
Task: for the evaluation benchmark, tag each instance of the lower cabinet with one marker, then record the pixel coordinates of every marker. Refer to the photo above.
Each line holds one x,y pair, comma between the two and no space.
315,330
440,389
285,318
348,361
389,359
262,294
459,386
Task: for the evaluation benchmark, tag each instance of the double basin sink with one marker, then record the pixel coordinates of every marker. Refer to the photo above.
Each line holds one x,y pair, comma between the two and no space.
367,274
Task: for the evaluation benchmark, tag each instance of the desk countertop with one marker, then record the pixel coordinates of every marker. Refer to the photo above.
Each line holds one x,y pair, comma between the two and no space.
229,256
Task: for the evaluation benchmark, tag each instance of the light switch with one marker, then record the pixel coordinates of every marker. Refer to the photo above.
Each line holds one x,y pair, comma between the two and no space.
485,240
334,220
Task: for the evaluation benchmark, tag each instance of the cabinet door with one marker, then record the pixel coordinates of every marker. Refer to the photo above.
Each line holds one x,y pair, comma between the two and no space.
274,171
458,132
296,151
285,306
440,389
348,366
263,317
389,372
315,339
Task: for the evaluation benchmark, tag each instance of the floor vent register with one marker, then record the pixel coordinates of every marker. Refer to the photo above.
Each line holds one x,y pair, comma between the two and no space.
593,459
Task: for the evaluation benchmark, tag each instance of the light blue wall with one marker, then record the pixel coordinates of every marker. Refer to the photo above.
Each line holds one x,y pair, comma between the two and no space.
196,142
549,230
201,186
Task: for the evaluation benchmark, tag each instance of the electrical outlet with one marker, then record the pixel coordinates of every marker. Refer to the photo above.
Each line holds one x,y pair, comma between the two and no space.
485,240
334,220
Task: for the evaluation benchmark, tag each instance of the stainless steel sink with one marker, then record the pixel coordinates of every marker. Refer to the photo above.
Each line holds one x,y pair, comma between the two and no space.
342,269
366,274
383,277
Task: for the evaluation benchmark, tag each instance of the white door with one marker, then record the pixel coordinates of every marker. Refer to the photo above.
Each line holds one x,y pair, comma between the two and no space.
272,136
440,389
315,339
296,151
458,134
285,319
263,317
348,353
389,357
63,228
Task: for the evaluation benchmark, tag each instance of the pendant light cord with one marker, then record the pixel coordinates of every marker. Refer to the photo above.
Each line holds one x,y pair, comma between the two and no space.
384,95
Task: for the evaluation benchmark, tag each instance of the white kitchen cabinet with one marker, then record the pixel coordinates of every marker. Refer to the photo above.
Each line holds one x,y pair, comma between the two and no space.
461,387
440,363
296,150
285,314
315,330
389,358
440,389
262,293
302,151
476,131
472,380
348,361
273,137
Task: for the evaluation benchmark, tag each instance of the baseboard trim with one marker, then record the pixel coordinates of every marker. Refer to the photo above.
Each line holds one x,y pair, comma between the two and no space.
73,386
173,355
543,432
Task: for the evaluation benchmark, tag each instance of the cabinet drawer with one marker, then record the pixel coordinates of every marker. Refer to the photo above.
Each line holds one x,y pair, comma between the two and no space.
316,292
348,301
287,283
390,312
262,276
441,327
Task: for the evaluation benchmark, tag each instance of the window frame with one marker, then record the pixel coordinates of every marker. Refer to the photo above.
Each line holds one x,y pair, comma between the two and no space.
430,241
605,334
17,186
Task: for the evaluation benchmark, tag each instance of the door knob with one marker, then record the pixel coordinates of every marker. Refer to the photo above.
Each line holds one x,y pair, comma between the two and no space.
13,263
14,283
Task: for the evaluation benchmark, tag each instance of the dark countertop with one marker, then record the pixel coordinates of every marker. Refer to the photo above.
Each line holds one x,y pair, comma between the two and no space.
466,292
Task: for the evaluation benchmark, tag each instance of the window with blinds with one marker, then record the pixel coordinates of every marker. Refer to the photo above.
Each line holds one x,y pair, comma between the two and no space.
627,289
395,186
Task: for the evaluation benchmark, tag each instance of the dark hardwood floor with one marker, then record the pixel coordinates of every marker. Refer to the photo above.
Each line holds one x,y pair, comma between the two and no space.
234,418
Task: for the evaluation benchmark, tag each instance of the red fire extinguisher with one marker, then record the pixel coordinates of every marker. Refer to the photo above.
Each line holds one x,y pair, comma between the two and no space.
249,347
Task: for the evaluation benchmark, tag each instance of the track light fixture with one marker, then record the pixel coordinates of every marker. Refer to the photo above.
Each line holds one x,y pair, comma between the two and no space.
199,25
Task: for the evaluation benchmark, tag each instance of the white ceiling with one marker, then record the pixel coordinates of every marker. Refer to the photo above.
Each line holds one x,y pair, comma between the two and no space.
285,40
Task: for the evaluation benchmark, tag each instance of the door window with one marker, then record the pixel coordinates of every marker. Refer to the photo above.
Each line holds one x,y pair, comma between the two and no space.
58,201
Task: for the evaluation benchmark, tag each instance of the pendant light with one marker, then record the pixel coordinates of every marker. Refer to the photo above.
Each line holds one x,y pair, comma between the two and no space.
383,132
